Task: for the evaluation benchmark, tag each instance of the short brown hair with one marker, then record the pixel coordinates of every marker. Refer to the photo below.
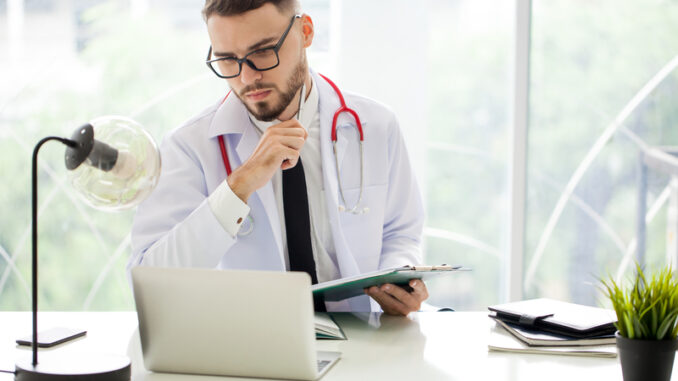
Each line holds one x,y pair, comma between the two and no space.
236,7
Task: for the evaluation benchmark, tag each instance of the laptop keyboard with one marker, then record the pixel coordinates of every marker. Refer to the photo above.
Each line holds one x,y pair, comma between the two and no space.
322,364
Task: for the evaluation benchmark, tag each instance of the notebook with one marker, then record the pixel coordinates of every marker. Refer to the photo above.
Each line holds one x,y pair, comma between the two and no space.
326,328
228,323
548,315
502,341
536,338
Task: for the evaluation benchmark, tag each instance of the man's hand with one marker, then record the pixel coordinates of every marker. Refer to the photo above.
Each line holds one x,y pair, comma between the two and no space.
279,147
396,300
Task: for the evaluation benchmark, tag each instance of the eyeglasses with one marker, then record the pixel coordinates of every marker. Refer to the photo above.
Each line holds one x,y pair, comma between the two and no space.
259,59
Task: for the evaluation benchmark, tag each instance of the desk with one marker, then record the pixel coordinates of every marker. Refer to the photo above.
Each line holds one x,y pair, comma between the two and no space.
424,346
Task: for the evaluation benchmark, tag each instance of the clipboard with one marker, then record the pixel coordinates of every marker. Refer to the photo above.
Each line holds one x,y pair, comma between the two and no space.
349,287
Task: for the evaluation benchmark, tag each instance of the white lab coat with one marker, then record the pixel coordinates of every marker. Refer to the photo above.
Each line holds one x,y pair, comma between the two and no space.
175,227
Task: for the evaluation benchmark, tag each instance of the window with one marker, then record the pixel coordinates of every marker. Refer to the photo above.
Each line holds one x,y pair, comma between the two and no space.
444,68
603,85
69,62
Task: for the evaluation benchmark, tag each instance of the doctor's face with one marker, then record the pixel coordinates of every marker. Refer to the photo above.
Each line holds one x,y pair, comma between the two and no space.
266,94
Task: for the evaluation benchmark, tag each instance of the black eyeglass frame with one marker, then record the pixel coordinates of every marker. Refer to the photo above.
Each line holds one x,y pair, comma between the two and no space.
249,63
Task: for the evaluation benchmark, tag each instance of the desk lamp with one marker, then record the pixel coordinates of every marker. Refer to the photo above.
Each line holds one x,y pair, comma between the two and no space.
114,164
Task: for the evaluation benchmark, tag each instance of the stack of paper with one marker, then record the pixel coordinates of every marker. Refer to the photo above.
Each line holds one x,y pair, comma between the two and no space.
502,340
553,327
326,328
542,339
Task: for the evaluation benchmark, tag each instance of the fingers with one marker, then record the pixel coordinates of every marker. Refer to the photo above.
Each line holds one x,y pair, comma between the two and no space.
290,127
420,291
278,148
294,142
401,295
288,134
281,144
395,300
289,163
388,303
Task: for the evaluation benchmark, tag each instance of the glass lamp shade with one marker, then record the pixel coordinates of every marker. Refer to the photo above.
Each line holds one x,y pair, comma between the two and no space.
119,163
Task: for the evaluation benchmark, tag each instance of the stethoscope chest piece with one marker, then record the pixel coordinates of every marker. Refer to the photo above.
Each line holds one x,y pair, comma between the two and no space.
247,227
355,210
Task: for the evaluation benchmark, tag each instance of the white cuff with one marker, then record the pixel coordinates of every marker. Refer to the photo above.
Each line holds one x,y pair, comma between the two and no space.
228,208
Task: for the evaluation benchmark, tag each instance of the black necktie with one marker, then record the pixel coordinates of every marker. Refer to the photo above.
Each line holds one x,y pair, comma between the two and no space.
298,225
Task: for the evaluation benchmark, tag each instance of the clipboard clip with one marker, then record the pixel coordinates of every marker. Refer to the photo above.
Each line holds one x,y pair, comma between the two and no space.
443,267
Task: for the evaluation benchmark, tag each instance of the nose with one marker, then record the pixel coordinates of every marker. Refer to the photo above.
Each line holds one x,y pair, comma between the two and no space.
248,75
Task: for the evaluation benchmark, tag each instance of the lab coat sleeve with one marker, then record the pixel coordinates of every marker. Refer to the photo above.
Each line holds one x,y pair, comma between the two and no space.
175,226
404,211
229,210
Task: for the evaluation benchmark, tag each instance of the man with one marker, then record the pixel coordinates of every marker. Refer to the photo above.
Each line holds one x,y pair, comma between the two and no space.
252,182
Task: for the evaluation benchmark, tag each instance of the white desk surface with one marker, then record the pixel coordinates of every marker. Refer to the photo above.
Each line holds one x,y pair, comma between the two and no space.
423,346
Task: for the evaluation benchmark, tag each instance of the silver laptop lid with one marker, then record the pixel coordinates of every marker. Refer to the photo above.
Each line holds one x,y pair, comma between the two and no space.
221,322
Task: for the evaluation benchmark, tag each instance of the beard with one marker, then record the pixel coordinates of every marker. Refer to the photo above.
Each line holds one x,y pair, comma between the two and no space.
267,111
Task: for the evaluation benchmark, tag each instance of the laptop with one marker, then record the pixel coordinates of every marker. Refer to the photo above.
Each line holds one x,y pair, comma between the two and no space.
228,323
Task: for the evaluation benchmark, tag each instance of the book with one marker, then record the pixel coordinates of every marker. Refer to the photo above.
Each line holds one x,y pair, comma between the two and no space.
349,287
544,339
553,316
326,328
501,340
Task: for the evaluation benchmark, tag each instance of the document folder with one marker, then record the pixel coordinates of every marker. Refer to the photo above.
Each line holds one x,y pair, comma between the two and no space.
344,288
568,319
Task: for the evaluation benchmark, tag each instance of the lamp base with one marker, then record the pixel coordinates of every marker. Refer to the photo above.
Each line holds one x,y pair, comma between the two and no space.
99,368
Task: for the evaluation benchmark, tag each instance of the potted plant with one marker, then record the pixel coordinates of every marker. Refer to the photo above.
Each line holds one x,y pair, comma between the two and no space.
646,324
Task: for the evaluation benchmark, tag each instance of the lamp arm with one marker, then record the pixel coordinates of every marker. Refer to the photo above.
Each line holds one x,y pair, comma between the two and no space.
72,144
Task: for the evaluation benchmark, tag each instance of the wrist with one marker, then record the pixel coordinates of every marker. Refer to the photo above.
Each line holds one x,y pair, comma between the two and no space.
239,186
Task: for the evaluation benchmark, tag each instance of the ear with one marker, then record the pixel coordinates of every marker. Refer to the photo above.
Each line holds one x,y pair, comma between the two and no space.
307,30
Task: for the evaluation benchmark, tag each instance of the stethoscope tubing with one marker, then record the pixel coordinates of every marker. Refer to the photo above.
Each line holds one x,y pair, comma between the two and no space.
343,108
359,126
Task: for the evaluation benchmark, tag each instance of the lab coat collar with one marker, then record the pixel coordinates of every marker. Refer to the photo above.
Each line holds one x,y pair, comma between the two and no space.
230,117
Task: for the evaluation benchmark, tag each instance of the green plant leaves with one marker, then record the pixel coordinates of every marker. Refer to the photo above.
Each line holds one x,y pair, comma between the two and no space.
647,309
666,324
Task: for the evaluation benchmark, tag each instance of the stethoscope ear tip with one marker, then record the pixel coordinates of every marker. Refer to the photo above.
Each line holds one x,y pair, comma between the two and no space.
342,208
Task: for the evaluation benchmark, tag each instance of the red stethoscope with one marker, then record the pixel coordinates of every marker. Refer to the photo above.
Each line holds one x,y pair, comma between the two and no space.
356,209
